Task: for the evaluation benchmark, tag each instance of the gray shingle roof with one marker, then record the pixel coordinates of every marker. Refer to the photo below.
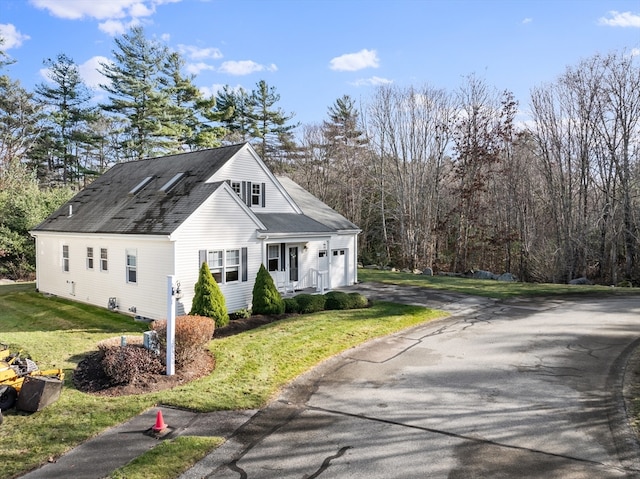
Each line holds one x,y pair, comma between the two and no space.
106,205
314,208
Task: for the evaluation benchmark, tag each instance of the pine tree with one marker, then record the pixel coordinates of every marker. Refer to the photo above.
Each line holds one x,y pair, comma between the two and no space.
66,134
136,94
266,298
208,299
269,124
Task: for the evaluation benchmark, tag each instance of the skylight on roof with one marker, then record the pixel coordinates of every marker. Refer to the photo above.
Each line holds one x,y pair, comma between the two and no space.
140,185
171,183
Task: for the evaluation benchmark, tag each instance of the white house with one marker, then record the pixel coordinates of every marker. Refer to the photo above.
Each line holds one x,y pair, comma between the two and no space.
115,242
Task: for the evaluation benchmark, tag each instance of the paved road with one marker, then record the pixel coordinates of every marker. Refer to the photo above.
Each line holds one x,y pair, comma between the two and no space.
498,390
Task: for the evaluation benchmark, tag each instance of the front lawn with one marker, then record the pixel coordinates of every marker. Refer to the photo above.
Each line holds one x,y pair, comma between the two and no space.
251,366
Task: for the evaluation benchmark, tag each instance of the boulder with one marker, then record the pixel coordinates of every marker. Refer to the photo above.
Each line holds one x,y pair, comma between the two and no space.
582,280
427,272
507,278
480,274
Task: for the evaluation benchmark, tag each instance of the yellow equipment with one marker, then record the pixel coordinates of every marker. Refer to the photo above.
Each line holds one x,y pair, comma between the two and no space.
16,373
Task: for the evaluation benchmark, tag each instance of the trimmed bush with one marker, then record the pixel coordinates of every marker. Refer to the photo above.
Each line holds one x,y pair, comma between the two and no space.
266,298
208,299
123,365
291,305
310,303
193,333
337,300
358,301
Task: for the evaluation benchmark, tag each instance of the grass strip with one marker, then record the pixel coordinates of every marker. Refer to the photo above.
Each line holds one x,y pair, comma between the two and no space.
488,288
168,459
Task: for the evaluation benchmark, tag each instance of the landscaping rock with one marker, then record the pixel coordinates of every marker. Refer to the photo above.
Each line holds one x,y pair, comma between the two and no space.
582,280
507,278
427,272
480,274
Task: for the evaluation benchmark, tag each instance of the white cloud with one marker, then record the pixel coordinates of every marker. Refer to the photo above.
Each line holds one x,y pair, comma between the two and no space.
196,68
373,81
244,67
527,20
90,72
621,19
113,27
355,61
76,9
635,52
11,37
197,53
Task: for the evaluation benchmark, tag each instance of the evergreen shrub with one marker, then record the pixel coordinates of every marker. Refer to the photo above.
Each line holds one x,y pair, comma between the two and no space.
291,305
337,300
310,303
357,301
266,297
208,299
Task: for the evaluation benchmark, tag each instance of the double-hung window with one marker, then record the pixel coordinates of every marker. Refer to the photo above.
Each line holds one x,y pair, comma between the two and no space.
89,257
226,266
104,260
132,266
256,194
273,257
65,258
215,261
232,265
236,187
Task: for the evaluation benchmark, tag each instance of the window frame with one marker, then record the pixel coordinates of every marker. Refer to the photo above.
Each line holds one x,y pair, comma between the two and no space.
131,268
256,194
217,270
270,258
65,258
232,269
90,258
104,259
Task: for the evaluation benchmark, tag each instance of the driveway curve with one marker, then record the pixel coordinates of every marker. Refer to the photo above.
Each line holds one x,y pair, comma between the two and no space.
499,389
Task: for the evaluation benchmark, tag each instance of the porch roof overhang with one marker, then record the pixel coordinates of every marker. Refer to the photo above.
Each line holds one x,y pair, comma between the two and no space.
292,237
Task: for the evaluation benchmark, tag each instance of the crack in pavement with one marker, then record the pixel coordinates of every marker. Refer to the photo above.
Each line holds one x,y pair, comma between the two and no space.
475,439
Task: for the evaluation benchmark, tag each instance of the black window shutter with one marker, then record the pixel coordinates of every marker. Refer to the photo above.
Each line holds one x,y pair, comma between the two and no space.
264,195
282,253
244,192
249,194
202,255
245,267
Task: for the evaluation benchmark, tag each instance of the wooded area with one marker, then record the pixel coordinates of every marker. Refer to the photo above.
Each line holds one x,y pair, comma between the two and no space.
453,179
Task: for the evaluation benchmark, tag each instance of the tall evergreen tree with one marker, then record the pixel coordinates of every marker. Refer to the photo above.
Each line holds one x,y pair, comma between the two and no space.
270,124
137,94
237,114
66,100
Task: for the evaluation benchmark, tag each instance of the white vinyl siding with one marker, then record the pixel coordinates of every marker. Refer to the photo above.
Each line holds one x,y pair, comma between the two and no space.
243,167
148,298
234,230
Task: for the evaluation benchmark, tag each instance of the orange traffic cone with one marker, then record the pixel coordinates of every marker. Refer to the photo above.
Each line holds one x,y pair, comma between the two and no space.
160,424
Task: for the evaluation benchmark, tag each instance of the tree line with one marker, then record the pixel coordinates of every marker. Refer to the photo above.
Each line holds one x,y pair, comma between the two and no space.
454,180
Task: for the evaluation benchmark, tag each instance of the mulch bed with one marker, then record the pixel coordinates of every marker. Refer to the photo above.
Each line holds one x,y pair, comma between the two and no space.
89,376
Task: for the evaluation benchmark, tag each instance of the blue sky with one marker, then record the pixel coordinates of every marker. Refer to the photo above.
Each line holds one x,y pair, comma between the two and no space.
315,51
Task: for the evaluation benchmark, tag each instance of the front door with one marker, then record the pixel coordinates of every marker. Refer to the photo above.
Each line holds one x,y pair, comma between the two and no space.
293,263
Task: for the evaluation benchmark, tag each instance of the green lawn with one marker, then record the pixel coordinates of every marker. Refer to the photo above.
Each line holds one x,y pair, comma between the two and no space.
488,288
250,367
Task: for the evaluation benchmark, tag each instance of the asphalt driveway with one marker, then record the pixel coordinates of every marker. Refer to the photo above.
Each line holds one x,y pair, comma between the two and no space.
498,390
